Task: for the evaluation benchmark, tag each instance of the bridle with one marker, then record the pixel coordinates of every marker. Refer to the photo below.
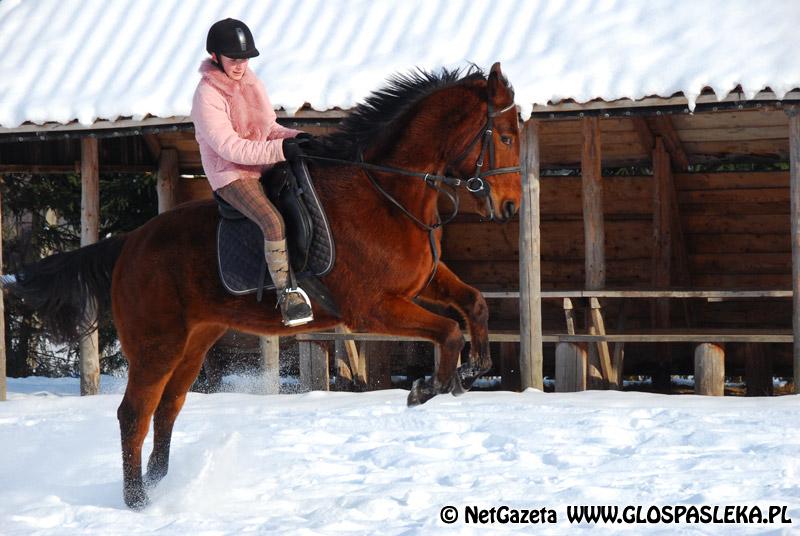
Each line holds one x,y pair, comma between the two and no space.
476,185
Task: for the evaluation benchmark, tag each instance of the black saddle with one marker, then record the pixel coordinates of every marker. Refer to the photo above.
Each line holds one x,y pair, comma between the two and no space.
240,243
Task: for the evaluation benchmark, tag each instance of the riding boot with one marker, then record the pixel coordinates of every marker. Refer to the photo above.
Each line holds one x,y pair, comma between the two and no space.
293,301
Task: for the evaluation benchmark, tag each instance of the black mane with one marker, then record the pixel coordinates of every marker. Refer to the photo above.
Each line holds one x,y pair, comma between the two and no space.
370,120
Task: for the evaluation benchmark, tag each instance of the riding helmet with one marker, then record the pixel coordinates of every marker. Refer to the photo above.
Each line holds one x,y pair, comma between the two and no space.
231,38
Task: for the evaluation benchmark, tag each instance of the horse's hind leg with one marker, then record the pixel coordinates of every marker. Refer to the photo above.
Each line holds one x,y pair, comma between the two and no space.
173,398
141,398
151,362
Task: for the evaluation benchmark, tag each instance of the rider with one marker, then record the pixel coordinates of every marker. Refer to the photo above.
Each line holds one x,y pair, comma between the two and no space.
239,138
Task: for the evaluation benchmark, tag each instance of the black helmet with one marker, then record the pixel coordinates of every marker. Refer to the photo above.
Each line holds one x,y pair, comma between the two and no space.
231,38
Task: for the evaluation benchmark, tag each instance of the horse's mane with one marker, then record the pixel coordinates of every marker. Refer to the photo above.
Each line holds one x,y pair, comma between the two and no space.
370,120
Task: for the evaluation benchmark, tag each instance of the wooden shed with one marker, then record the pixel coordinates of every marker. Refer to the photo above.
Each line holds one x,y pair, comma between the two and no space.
658,234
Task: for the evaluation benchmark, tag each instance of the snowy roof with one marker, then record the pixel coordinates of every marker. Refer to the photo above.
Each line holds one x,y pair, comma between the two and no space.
84,60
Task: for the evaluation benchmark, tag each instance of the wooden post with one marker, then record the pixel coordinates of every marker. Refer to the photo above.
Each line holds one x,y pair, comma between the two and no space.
167,179
3,386
662,256
594,233
530,283
570,367
270,363
314,366
794,172
758,370
347,352
90,228
593,227
709,370
602,347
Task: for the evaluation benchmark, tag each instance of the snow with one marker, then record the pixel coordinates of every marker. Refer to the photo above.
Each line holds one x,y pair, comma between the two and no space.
65,60
347,463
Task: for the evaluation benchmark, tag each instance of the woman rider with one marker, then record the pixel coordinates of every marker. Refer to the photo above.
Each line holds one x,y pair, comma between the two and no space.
239,138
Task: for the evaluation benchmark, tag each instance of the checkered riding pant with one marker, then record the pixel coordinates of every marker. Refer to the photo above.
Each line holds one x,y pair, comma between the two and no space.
248,197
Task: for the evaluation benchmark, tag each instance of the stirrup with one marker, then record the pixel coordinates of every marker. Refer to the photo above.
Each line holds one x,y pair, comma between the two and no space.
300,319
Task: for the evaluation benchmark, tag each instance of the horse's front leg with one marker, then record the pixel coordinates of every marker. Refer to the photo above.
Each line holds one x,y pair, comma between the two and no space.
447,289
401,316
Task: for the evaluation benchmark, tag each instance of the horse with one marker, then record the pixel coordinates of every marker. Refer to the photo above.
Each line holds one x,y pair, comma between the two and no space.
379,178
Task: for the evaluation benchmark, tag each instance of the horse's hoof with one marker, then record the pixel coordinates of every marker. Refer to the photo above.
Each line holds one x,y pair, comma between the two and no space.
152,478
456,389
468,374
420,393
136,498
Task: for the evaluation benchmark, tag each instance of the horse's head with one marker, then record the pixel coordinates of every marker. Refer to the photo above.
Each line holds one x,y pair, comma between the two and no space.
491,158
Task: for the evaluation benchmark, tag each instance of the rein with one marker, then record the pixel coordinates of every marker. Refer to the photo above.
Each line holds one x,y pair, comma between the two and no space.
476,184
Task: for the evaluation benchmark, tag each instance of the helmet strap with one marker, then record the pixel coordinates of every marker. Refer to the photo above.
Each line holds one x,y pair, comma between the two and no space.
219,62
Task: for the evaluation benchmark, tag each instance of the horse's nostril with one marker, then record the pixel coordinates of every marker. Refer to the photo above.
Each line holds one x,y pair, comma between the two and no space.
509,209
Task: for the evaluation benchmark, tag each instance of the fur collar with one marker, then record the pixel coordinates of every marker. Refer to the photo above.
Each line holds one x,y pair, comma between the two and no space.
221,81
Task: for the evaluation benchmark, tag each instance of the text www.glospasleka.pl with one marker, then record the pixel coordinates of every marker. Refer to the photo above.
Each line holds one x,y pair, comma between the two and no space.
630,515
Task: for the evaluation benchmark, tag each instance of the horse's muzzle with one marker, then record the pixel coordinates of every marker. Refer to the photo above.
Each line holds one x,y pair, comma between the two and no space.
508,211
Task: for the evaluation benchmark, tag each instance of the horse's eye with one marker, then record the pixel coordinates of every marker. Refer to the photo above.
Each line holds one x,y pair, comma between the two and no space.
506,139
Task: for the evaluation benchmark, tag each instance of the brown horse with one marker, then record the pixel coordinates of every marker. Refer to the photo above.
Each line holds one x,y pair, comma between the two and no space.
402,146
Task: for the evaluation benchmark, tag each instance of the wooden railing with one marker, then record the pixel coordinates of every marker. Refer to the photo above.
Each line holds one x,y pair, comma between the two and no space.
571,368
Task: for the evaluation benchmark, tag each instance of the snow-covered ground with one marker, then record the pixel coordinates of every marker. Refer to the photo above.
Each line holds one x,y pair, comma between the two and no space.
345,463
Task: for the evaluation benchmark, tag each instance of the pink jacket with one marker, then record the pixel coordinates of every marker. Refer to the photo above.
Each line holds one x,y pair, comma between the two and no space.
235,126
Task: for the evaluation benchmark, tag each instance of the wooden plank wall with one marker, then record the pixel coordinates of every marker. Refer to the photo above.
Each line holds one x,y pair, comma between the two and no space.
736,227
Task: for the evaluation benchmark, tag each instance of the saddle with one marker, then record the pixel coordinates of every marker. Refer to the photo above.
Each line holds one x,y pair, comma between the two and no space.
240,243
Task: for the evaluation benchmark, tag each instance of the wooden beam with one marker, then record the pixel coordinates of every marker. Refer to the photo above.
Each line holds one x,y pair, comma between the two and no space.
661,270
70,169
90,229
570,367
153,145
711,294
270,363
784,336
609,374
709,370
661,125
531,355
662,219
3,386
314,374
167,179
347,360
794,180
593,226
646,137
594,236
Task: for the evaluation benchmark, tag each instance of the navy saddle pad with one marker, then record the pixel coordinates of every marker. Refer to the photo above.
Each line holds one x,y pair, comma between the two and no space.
240,244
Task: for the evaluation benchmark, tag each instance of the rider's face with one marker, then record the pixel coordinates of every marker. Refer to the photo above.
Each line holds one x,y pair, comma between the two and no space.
234,68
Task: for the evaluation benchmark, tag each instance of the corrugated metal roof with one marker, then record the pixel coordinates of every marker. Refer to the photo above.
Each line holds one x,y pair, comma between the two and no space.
66,60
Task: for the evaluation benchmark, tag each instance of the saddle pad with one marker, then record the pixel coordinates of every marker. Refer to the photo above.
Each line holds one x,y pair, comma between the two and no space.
240,244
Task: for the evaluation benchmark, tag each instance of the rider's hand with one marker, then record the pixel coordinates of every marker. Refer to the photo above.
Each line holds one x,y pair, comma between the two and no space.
292,147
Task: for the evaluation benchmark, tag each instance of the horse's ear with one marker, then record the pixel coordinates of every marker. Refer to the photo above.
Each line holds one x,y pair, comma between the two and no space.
498,85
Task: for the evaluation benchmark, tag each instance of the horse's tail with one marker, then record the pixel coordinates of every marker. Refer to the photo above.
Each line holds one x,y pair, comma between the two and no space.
66,289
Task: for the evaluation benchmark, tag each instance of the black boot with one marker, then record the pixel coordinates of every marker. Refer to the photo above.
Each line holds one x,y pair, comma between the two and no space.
293,301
